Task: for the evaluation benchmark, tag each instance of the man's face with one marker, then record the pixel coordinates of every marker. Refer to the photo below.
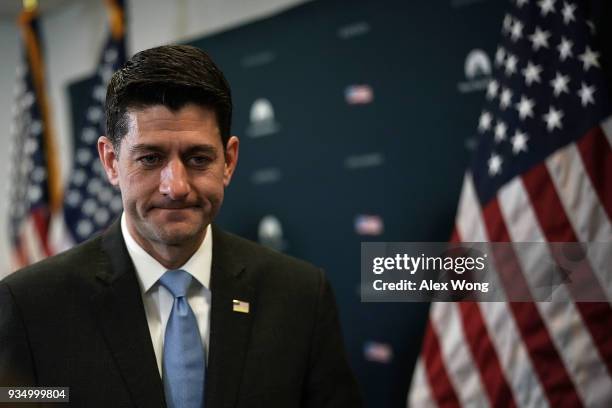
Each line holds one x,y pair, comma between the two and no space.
172,171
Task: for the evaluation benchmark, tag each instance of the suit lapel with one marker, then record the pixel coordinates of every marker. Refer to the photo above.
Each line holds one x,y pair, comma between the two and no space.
229,330
120,312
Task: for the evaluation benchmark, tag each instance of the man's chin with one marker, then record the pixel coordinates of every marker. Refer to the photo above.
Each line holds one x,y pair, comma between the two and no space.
178,237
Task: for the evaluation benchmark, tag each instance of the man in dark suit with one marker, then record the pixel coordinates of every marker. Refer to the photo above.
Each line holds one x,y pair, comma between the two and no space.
164,309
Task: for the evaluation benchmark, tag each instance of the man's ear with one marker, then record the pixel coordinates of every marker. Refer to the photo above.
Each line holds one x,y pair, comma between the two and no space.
109,159
231,159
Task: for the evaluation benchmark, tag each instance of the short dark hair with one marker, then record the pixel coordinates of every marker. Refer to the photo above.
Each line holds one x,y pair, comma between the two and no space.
170,75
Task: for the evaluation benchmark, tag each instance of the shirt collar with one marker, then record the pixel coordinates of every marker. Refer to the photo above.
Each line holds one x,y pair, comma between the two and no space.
149,270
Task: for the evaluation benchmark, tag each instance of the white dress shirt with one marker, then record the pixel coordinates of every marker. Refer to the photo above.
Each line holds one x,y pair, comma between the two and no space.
158,300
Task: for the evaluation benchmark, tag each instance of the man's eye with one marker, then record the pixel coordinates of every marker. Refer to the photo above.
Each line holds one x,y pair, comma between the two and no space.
149,160
199,161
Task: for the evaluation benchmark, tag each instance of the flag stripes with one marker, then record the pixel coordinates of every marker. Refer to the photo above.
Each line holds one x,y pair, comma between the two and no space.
596,156
457,356
547,362
563,320
485,355
421,396
580,374
437,374
513,356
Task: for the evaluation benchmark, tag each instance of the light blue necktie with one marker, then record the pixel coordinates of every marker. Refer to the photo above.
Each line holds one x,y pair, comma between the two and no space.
184,363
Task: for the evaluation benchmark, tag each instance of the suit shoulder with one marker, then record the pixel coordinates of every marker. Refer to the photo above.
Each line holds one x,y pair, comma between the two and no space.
256,256
79,258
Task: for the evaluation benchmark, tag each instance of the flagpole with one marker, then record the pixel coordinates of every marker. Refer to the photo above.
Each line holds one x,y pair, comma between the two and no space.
36,65
115,18
30,5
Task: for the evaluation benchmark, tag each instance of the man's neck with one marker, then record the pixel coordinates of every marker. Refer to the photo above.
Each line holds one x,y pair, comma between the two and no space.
170,256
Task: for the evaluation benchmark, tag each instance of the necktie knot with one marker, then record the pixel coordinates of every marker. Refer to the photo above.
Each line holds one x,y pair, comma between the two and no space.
177,281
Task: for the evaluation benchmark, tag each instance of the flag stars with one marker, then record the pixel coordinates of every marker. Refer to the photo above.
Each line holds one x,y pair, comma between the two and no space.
494,163
116,204
27,165
525,107
568,12
505,98
510,64
39,174
89,135
99,93
18,90
591,26
21,70
34,194
546,6
36,127
492,89
83,156
27,100
539,39
507,24
94,114
500,55
553,119
73,198
78,177
519,142
500,131
589,58
84,228
586,94
516,32
106,72
559,84
110,55
532,73
565,49
30,145
484,123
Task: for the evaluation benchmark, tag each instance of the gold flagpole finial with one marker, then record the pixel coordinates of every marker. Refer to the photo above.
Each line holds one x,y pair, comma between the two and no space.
30,4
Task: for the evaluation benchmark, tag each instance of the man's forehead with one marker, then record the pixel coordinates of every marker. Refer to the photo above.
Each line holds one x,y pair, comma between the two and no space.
190,125
157,128
159,142
164,145
162,117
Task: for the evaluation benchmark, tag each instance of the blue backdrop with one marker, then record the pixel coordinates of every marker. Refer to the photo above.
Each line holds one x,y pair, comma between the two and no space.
356,120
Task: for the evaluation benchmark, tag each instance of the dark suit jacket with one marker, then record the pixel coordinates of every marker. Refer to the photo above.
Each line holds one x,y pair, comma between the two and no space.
77,320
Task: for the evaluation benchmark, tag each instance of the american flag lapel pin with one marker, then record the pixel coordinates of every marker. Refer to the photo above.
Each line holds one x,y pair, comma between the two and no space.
240,306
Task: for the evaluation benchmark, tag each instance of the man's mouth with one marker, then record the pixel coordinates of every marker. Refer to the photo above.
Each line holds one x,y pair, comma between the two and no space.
175,207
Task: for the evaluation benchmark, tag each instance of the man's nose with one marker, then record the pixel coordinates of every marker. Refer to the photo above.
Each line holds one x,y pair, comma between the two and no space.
174,181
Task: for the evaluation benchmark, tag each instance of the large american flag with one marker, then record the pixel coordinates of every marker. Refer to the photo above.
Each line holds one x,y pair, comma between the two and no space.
35,190
90,202
542,172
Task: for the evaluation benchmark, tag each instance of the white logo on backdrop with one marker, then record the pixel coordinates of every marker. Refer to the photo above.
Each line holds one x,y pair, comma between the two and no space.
258,59
270,233
262,121
354,30
477,68
266,175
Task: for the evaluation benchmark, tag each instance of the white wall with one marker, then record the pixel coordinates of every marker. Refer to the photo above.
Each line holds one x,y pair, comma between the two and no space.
73,35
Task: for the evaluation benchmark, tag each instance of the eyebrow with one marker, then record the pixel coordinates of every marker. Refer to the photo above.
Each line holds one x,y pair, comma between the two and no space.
200,148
